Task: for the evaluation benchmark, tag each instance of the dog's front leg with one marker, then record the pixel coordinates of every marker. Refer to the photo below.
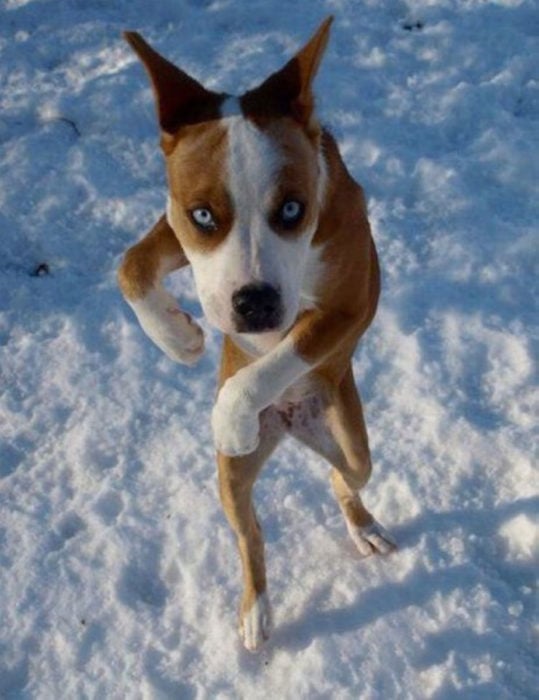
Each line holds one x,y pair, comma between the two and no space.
140,279
314,336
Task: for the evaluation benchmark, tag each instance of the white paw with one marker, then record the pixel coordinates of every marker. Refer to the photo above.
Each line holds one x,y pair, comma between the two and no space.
172,330
234,421
256,624
371,539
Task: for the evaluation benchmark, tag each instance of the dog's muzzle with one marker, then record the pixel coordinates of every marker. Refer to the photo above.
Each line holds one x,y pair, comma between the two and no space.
257,308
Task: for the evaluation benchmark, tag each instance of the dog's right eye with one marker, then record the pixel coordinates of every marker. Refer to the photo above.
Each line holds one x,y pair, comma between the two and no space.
290,214
203,219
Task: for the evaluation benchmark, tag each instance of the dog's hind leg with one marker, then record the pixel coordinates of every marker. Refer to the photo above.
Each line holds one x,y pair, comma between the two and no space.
348,476
236,478
367,534
338,433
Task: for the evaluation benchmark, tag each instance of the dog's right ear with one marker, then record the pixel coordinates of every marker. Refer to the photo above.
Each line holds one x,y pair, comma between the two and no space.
176,93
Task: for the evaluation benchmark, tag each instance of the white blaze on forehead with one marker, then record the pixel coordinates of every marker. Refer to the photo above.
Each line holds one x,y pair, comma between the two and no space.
254,160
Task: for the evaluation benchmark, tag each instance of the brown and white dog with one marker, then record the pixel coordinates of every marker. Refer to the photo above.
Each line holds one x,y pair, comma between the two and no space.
262,207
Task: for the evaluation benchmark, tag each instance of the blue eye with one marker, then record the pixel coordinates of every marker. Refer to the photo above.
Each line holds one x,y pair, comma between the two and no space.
291,212
203,218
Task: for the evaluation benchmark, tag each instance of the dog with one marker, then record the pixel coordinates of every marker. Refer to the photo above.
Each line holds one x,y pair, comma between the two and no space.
262,207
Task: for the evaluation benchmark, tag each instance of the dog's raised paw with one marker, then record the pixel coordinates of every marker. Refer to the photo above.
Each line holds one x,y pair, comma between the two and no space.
371,539
170,328
256,624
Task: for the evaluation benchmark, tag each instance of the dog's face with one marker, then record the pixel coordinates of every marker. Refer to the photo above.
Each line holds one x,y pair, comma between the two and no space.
246,183
244,201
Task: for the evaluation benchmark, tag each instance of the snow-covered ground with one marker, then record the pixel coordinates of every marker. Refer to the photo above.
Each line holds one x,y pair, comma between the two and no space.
118,574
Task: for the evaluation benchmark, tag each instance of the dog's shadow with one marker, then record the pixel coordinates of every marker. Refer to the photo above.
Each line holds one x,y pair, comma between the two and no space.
421,585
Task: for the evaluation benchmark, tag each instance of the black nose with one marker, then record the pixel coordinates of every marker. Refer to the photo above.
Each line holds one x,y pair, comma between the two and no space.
257,307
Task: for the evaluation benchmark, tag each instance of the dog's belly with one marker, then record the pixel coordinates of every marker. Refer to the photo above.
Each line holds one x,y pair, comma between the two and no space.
306,420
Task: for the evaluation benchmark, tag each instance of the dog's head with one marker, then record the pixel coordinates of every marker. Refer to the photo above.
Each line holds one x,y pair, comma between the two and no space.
246,185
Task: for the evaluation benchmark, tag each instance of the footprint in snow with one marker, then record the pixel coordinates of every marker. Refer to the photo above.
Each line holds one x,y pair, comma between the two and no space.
140,583
67,528
109,506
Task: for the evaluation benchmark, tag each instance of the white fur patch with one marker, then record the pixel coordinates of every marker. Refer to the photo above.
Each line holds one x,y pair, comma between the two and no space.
172,330
313,277
322,178
235,419
257,624
168,211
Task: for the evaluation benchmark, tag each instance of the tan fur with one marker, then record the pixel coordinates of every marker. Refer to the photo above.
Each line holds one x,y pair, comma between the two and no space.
143,264
324,336
196,178
348,293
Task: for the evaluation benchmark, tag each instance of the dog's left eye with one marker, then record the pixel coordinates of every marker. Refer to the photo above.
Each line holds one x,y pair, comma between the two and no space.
203,218
291,212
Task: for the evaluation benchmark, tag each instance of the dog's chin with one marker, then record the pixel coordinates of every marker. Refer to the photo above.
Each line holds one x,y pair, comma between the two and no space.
256,329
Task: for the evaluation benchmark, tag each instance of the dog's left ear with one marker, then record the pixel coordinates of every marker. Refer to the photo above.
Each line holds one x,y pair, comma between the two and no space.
289,90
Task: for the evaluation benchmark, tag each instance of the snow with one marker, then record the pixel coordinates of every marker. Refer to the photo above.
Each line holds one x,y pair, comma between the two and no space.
118,574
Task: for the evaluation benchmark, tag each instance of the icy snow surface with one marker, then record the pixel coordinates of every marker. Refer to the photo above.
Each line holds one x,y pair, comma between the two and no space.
119,576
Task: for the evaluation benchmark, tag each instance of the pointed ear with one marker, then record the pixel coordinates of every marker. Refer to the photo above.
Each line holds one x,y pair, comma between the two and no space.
175,92
289,91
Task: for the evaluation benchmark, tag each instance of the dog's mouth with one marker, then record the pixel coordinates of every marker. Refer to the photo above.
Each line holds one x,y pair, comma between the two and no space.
257,326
